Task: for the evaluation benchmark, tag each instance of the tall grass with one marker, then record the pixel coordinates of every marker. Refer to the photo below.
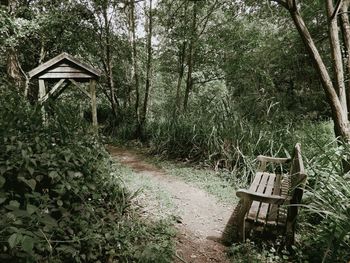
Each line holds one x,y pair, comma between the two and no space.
233,143
327,203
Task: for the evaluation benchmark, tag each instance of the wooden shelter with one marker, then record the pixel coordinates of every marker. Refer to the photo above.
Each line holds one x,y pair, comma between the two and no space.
66,70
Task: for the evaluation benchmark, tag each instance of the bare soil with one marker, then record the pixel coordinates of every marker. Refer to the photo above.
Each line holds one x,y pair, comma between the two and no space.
201,217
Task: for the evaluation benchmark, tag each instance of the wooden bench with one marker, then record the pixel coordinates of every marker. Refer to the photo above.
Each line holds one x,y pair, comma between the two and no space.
271,201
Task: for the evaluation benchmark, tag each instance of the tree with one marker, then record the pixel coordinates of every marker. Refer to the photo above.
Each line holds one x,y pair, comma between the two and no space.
105,11
186,31
134,55
14,70
149,30
332,82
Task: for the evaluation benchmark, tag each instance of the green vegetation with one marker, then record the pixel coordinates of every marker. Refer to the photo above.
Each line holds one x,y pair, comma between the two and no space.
158,202
218,183
59,201
209,83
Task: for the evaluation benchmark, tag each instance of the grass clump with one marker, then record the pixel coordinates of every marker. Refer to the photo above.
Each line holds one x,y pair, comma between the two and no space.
58,199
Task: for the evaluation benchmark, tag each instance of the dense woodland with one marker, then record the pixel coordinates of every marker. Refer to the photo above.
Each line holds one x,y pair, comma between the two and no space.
211,83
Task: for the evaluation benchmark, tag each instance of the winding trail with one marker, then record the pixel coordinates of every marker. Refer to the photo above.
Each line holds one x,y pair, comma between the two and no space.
201,217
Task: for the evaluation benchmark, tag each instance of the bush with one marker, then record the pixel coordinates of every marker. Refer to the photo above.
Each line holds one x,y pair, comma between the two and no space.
59,199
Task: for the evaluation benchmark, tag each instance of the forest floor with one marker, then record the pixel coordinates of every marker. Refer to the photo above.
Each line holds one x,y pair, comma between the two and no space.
199,216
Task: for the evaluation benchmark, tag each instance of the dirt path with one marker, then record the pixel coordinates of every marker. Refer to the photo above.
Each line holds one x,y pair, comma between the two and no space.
201,215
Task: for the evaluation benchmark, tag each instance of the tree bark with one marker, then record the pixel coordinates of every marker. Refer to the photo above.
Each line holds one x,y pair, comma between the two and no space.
345,24
108,65
336,56
13,66
181,70
135,74
149,30
190,60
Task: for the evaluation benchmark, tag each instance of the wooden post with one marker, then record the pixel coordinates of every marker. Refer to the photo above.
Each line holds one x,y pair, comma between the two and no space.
81,110
93,104
42,93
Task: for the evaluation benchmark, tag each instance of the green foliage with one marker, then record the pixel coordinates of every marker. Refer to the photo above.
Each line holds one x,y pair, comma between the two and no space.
327,206
59,199
251,252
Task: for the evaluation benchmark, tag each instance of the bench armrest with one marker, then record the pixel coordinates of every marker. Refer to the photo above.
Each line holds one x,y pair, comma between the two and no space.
270,199
263,158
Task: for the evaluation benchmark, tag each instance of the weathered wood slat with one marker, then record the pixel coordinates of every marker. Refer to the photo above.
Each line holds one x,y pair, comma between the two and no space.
58,86
80,88
61,69
255,207
256,181
253,188
273,212
65,75
264,207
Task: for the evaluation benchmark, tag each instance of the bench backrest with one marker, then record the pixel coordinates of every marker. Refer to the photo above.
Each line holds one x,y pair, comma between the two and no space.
297,176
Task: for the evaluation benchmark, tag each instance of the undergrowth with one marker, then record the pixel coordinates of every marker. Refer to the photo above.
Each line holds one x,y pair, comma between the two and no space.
60,200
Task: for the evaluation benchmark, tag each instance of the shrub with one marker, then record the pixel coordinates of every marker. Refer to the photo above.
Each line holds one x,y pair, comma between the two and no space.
59,199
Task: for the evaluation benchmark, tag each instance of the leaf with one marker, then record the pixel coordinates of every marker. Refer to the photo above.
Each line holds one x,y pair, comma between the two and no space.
53,174
31,209
27,244
59,203
2,181
48,220
30,170
2,200
13,240
14,203
31,182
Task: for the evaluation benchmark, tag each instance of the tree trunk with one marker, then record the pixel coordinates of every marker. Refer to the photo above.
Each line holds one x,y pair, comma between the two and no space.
339,118
108,62
181,70
13,69
135,74
336,56
149,29
190,60
345,24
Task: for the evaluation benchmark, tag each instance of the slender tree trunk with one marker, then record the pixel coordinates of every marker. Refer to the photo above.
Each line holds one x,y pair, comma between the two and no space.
13,66
135,74
13,69
108,62
345,24
181,70
42,54
190,60
336,56
149,29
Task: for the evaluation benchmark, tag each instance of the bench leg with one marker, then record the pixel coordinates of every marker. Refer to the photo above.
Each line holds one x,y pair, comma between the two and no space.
235,228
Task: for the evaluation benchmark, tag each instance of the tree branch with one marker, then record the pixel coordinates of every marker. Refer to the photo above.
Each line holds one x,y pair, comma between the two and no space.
336,9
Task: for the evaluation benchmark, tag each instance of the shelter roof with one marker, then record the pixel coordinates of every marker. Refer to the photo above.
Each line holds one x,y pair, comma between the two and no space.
84,70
